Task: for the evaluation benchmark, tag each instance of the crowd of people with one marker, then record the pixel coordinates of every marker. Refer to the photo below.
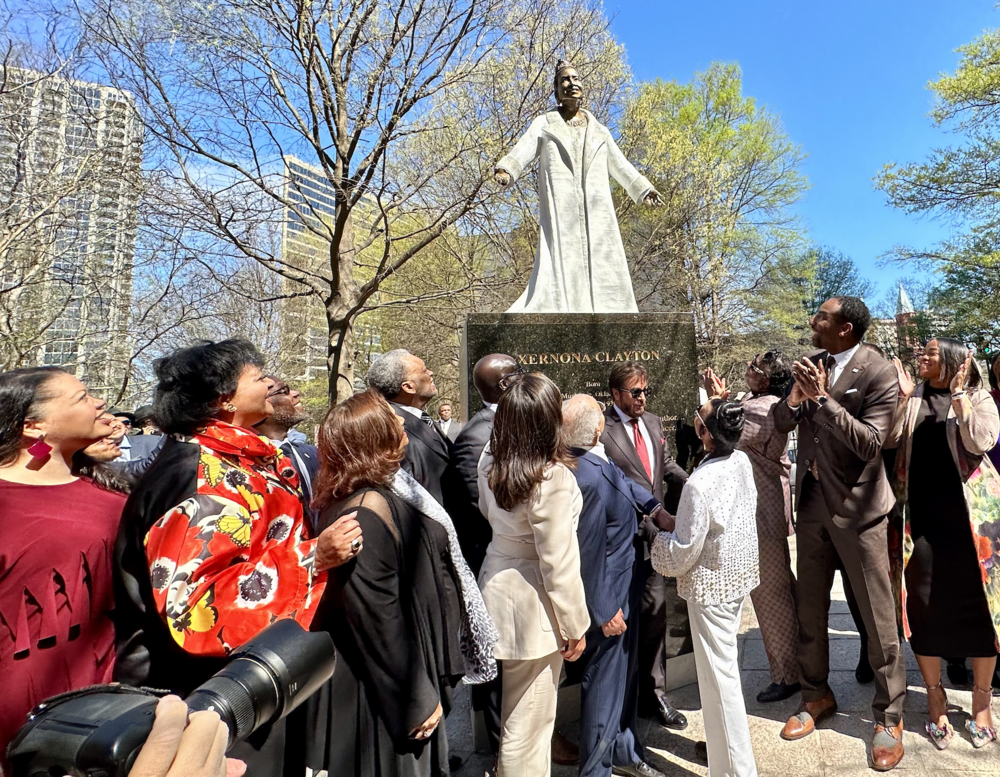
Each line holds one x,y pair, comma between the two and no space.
541,543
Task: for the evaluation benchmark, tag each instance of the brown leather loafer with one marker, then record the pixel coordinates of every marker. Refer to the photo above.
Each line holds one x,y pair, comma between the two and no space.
809,714
887,747
564,752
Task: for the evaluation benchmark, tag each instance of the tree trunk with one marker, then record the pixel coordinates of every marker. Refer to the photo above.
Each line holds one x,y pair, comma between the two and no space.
340,354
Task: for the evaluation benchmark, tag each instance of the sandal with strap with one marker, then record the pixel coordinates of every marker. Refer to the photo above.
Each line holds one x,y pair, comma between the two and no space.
941,735
980,736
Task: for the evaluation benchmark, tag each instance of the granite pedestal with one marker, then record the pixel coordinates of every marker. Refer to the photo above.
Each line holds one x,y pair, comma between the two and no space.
578,351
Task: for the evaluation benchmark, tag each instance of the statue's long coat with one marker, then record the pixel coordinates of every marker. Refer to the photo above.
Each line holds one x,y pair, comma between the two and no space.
579,267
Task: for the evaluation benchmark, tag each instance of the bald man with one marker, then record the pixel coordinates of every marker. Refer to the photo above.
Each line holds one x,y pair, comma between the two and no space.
609,534
462,502
474,531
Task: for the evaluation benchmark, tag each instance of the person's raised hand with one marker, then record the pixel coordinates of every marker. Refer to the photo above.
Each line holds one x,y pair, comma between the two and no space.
339,543
958,382
502,177
616,625
573,649
425,729
811,379
715,386
906,384
653,199
183,746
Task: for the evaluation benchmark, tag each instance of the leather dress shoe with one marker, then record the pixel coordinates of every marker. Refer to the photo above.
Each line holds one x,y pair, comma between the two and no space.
640,769
564,752
887,747
809,714
670,716
778,692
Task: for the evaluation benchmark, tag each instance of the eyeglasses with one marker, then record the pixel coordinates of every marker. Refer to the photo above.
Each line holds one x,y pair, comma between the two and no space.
638,392
278,392
124,421
755,368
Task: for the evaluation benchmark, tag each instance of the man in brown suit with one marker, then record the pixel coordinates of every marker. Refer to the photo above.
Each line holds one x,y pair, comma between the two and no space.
842,402
634,440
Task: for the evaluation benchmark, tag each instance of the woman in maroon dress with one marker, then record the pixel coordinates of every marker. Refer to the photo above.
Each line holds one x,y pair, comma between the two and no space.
57,533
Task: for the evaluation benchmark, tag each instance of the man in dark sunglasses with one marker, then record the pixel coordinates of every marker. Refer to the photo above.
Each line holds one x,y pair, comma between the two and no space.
280,429
635,442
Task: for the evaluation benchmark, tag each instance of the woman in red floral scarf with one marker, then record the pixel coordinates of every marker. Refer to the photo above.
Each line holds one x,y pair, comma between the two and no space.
214,547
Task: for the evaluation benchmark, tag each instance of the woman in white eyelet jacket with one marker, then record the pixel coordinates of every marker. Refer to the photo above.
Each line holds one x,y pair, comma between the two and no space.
711,548
531,579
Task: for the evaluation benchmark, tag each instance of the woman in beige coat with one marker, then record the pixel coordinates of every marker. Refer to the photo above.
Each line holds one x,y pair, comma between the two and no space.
950,607
531,576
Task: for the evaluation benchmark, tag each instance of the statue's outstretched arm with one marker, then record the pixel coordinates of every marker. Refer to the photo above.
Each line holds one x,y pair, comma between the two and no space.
623,171
524,153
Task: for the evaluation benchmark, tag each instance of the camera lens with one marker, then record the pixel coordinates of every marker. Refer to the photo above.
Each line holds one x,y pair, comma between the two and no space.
267,677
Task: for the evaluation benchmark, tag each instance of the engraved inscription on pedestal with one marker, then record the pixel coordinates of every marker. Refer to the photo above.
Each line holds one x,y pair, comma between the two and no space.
578,351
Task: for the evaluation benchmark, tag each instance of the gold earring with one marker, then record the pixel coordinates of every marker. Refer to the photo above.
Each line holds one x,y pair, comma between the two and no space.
229,407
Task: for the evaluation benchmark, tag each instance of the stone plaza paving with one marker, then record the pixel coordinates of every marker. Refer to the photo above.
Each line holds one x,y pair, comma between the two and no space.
837,749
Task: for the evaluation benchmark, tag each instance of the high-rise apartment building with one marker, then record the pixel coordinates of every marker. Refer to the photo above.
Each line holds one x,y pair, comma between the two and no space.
70,157
303,331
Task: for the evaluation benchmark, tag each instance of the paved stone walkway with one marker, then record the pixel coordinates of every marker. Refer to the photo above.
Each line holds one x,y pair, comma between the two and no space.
838,749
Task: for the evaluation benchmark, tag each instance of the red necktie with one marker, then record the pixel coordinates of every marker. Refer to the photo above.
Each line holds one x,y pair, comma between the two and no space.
640,448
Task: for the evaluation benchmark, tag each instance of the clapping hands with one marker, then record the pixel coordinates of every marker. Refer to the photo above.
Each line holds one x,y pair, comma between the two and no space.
810,381
715,386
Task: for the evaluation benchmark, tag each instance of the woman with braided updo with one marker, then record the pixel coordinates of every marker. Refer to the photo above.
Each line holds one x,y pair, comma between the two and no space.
711,548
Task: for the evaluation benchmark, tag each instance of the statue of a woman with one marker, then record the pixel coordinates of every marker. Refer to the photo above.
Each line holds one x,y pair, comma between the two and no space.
580,264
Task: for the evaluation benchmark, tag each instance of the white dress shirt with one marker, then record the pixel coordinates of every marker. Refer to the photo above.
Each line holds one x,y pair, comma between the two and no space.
445,426
840,361
416,412
643,430
126,450
599,452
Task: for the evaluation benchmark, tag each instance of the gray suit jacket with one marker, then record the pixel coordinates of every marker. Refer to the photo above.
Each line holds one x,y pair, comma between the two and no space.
618,444
453,430
844,439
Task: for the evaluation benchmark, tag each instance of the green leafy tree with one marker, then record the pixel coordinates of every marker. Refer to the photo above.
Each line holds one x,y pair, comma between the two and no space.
726,243
960,182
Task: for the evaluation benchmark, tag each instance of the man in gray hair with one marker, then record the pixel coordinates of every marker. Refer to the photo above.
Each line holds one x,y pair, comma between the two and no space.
611,519
405,381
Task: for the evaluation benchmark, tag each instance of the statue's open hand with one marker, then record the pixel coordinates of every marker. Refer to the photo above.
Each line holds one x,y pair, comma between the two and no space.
502,177
653,199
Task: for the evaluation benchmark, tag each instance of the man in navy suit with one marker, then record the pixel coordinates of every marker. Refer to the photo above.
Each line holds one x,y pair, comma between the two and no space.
610,525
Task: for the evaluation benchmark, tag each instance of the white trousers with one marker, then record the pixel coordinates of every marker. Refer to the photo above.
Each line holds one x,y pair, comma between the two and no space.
528,716
727,733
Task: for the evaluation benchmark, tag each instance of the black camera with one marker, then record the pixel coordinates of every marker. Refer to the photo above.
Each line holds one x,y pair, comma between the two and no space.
98,731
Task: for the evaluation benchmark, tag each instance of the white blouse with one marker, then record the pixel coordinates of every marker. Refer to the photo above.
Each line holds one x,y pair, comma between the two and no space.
713,549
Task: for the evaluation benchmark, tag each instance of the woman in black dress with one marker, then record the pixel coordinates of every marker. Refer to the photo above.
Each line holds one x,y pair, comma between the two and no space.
946,605
400,612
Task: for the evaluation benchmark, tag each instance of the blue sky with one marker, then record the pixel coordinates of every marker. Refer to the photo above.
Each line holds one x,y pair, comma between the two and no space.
848,80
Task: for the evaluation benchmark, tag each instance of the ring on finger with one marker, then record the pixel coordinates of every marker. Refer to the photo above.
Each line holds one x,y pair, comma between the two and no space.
355,545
